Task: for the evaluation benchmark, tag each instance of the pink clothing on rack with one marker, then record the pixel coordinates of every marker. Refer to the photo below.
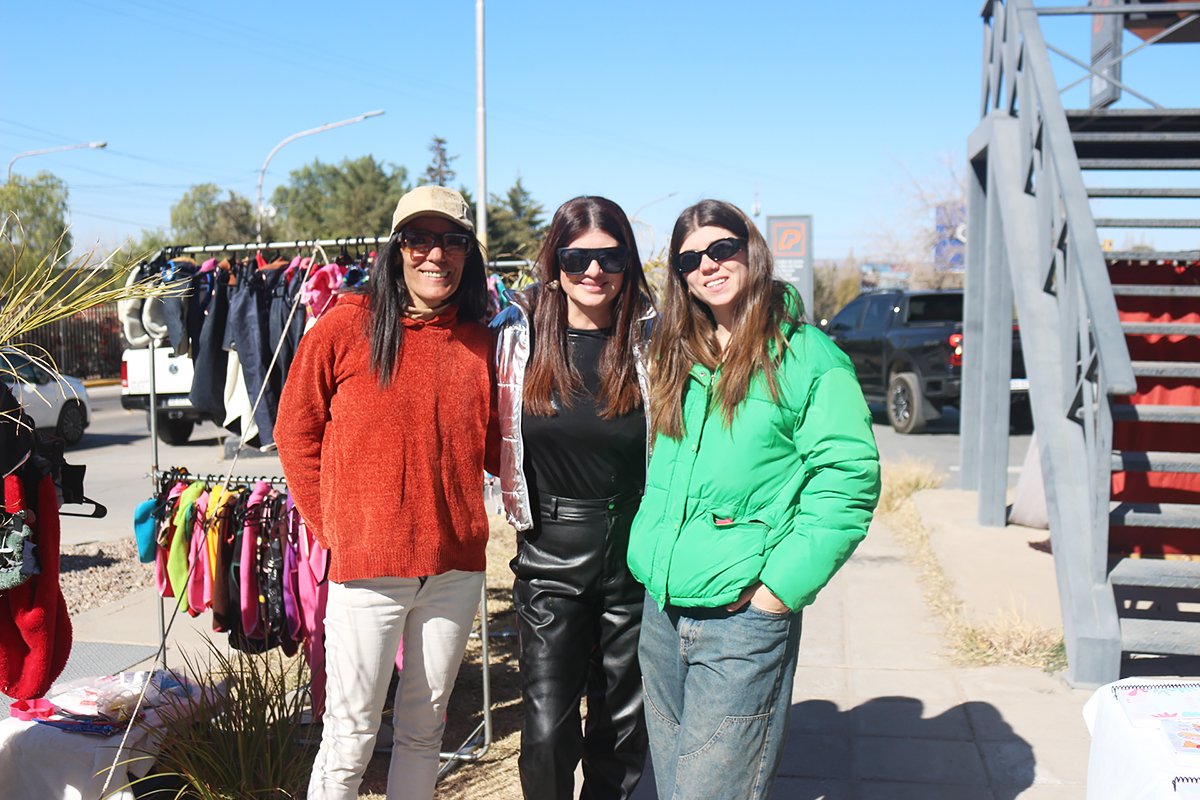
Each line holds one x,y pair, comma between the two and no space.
248,562
200,575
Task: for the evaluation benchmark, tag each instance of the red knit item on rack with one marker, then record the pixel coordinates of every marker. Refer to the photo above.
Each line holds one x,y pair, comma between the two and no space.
35,629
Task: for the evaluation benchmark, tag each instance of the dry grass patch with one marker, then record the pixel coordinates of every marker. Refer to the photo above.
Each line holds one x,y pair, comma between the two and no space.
1007,638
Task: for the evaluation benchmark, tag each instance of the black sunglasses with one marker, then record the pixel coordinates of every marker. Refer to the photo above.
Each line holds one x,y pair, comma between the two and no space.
423,241
719,250
576,260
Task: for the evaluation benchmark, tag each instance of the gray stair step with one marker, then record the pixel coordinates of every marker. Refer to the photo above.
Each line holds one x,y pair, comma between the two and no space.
1139,163
1161,328
1155,515
1140,145
1113,191
1160,637
1157,255
1118,120
1119,222
1126,412
1167,369
1143,290
1154,461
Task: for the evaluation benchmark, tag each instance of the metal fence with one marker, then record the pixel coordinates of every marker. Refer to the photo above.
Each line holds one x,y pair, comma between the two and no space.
86,345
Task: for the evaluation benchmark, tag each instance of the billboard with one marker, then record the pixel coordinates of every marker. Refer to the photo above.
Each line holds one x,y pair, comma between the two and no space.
790,240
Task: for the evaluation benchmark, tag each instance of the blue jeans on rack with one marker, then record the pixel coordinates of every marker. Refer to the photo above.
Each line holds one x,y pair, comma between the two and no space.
718,687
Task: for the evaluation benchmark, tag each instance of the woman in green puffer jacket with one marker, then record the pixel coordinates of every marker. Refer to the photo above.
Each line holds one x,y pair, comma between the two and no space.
763,479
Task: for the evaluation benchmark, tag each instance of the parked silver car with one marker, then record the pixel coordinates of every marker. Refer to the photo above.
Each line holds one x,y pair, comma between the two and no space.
53,401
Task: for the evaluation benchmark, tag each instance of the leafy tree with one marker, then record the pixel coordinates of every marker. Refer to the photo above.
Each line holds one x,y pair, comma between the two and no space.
202,217
439,170
515,224
35,214
354,198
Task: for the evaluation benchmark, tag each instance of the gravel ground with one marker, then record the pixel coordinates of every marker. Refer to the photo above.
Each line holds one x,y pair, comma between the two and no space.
93,575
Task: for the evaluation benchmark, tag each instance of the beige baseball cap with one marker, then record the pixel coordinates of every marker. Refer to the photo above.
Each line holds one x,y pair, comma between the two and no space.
434,200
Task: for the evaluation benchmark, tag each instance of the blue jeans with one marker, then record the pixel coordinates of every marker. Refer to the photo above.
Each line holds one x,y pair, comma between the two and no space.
718,686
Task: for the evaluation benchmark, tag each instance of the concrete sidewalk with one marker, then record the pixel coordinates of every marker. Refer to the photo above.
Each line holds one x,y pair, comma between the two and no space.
879,711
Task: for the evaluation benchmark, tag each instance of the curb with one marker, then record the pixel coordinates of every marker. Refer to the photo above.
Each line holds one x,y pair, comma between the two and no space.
102,382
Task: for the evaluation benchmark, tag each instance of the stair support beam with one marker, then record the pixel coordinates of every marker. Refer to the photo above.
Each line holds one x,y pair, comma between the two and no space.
1090,625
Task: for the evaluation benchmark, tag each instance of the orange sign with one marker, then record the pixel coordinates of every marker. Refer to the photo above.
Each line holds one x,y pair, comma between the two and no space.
789,236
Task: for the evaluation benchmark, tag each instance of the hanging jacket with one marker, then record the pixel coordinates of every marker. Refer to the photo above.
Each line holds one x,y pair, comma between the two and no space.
781,496
513,349
35,628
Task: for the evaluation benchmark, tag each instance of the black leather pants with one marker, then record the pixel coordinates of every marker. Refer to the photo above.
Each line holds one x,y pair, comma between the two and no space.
579,613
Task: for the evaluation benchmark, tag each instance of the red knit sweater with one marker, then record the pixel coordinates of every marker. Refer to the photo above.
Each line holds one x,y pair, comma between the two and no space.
391,479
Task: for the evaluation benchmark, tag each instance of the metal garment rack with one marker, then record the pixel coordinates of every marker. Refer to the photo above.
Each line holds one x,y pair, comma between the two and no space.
476,745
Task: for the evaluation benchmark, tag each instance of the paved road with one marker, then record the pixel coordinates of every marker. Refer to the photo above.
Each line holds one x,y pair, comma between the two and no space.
116,450
939,445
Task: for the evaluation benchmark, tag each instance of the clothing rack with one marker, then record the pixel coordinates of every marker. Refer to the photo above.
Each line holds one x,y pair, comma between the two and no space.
479,741
188,476
236,248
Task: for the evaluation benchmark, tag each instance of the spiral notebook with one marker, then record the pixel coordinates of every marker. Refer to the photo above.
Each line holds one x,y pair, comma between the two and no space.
1146,704
1186,786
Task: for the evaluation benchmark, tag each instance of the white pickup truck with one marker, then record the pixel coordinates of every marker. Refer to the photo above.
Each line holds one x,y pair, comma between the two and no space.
172,383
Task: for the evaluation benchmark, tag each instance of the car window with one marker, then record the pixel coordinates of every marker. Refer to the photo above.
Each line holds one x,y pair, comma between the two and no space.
848,317
17,364
935,308
879,313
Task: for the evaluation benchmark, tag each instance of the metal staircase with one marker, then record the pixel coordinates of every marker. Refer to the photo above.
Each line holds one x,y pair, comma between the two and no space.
1111,338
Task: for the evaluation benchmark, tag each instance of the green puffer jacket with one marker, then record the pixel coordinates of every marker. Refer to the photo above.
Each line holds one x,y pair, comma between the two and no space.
783,496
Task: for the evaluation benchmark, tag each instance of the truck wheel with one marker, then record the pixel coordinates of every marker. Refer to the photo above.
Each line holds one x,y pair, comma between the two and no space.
905,405
71,422
175,431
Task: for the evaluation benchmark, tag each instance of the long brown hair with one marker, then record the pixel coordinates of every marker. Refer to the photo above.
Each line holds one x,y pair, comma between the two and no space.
551,377
686,331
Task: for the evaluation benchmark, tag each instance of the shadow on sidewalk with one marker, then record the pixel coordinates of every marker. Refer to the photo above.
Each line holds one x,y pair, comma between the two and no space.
887,747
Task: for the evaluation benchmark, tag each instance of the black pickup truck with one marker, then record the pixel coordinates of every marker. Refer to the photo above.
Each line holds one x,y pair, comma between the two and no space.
907,348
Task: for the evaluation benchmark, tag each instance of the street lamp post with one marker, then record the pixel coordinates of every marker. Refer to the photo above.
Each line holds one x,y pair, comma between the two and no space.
92,145
320,128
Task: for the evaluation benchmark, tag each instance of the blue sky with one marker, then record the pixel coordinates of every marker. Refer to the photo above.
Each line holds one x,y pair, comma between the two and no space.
818,108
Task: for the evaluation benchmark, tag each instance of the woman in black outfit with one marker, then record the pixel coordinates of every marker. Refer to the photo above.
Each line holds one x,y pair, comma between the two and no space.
573,400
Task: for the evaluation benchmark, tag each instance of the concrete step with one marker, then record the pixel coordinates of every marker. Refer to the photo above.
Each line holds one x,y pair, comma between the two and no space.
1167,369
1142,290
1143,257
1160,637
1140,163
1140,145
1161,328
1156,515
1134,120
1121,191
1154,461
1135,412
1145,222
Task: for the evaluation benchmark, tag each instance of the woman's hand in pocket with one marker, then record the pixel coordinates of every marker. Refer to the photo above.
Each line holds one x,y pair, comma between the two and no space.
762,598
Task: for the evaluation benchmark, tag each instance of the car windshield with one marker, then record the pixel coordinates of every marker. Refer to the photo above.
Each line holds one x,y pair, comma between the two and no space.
935,308
12,363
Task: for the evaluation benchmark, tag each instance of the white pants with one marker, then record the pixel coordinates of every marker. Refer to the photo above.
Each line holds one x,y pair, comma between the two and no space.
364,623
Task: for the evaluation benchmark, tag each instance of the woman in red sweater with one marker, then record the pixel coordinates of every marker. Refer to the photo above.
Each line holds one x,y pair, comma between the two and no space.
383,427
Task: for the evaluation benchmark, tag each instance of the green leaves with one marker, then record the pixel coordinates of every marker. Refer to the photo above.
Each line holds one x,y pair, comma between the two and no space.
39,231
354,198
515,224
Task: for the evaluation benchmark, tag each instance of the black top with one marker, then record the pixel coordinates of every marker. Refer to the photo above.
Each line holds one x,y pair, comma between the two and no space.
577,454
